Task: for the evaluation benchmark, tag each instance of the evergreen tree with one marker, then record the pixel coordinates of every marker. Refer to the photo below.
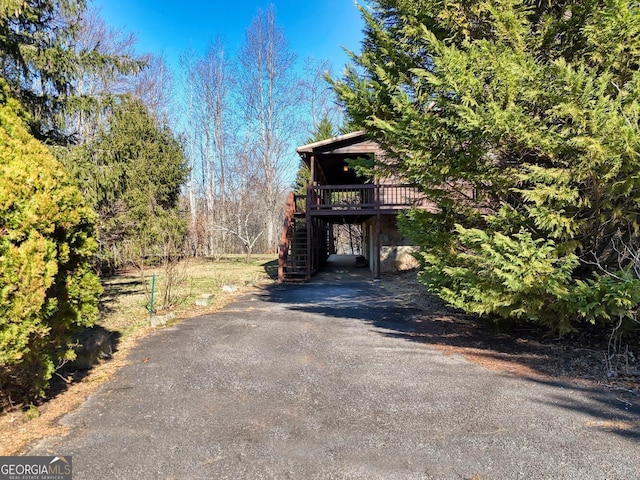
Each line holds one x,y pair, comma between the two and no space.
42,60
323,131
133,174
519,119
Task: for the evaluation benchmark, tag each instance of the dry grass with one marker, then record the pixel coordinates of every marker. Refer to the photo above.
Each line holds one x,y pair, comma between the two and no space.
125,315
126,304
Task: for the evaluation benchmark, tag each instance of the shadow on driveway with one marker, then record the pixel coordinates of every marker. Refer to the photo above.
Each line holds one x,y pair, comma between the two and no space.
353,295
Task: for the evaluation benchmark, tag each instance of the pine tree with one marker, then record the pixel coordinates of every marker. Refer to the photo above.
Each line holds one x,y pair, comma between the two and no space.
42,60
323,131
133,174
519,119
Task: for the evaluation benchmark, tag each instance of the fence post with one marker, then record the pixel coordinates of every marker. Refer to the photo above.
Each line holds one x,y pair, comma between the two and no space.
153,286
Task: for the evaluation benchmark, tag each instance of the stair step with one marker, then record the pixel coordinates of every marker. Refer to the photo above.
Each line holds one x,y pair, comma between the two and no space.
297,254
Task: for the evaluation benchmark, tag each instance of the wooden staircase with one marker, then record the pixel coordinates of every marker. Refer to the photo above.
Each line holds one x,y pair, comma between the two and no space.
296,266
293,261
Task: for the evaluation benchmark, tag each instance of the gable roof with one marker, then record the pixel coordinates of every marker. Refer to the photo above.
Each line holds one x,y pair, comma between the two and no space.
342,144
331,157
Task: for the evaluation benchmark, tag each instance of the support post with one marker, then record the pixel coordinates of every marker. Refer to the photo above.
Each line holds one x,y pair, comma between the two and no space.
332,241
310,242
153,289
376,260
312,167
377,234
310,198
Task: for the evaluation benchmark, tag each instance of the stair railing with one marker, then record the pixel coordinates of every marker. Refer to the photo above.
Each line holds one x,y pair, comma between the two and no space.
287,235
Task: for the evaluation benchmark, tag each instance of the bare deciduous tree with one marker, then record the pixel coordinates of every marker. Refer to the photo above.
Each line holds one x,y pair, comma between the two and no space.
243,118
154,85
270,96
319,96
187,60
245,218
97,85
209,83
146,77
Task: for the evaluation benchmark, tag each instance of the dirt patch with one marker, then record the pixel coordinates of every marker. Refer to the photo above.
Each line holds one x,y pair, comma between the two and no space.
525,351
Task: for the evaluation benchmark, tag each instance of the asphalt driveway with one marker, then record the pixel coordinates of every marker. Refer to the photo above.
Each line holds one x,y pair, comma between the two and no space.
313,381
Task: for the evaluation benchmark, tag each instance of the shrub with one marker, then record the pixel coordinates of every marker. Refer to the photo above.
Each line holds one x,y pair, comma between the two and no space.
47,285
520,121
508,276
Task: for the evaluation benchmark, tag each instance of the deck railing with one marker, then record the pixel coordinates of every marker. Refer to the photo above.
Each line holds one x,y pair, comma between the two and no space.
361,197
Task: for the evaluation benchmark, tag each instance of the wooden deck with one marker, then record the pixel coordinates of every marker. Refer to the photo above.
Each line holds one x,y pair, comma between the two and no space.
367,199
307,220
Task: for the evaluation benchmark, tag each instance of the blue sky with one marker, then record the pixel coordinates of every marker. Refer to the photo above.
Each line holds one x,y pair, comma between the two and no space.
314,28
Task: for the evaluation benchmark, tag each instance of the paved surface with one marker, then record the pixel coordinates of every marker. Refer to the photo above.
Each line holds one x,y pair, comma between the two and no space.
313,382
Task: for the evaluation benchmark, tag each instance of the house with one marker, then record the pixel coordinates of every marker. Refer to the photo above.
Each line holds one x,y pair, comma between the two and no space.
338,195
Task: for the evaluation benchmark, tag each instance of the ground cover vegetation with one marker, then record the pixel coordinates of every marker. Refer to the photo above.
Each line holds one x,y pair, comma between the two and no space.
519,120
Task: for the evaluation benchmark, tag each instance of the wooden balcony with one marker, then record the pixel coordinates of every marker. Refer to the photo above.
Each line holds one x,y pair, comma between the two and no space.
367,199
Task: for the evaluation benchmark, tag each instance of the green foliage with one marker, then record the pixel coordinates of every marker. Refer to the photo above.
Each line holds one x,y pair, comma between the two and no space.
324,131
364,166
303,178
520,120
47,286
132,174
42,63
509,276
609,298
